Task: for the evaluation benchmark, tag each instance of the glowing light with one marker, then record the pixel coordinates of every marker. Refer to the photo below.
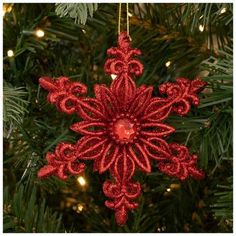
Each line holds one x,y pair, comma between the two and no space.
129,14
84,31
80,207
6,9
81,180
10,53
175,186
223,10
168,189
168,63
113,76
39,33
201,28
200,17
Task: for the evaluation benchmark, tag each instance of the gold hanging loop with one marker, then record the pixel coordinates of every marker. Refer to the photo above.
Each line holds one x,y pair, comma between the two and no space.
119,18
127,18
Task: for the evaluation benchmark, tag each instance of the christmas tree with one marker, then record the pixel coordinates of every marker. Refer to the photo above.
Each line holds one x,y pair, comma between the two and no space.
177,40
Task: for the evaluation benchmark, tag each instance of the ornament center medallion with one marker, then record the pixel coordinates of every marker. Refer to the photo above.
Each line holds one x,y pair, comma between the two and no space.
124,129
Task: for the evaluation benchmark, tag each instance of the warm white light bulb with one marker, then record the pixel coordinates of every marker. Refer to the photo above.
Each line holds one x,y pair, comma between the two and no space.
39,33
6,8
129,14
168,189
201,28
81,180
80,207
168,63
10,53
223,10
113,76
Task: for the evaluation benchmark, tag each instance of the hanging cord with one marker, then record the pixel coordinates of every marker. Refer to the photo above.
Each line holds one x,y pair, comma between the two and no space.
119,18
127,18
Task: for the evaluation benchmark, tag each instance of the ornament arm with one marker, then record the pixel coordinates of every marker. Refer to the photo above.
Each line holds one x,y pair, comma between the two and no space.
122,191
61,162
181,164
63,93
181,94
177,97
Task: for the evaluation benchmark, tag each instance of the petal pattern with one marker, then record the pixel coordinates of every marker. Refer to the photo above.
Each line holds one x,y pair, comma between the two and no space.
124,89
156,129
91,109
108,157
157,110
107,98
141,101
156,148
124,167
90,128
89,148
138,153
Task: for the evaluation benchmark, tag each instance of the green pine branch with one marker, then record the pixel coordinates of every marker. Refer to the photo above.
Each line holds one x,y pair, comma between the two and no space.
14,107
222,203
77,11
22,213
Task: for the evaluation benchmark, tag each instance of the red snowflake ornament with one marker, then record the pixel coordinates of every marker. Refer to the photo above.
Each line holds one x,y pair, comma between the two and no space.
123,128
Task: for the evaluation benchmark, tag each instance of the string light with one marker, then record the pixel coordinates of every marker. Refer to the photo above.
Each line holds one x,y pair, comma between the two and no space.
175,186
6,9
163,228
129,14
80,207
39,33
201,28
10,53
81,180
223,10
168,63
168,189
113,76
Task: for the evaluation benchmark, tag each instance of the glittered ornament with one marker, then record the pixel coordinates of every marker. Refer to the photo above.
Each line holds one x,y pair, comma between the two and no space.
123,128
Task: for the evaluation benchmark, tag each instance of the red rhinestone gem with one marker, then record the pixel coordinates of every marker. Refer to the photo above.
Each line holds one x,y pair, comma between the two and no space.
124,129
